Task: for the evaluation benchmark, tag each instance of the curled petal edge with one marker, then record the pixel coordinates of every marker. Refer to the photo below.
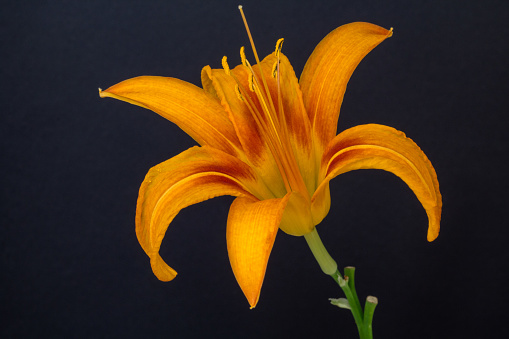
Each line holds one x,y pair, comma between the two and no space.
184,180
382,147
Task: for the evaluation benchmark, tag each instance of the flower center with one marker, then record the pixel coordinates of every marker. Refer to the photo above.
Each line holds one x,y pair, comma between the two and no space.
270,118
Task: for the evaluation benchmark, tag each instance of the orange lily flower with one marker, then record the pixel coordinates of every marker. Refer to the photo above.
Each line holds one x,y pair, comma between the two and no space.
269,140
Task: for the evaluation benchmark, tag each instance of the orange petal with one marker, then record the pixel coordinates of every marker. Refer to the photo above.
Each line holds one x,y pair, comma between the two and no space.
297,219
188,106
382,147
195,175
250,234
328,69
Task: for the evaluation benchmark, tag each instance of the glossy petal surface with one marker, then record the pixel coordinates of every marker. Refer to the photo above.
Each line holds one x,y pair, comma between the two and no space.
382,147
250,234
184,104
328,70
198,174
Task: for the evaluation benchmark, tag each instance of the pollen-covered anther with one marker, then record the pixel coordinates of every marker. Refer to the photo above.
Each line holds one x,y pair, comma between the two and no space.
279,46
277,52
243,57
251,80
274,69
238,92
225,66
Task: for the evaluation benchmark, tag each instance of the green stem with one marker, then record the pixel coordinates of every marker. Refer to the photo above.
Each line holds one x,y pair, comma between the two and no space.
363,319
327,264
350,274
369,309
354,303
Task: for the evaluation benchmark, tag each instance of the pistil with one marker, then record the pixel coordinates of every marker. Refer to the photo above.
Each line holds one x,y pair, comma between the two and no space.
272,122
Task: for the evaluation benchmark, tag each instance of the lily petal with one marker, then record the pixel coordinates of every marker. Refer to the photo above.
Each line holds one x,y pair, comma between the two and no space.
250,234
381,147
195,175
188,106
328,70
297,219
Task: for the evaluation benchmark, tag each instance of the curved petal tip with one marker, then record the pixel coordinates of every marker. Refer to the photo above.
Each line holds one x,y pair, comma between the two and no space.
161,269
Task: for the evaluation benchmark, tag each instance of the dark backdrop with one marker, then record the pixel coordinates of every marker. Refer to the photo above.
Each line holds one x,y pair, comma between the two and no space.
72,164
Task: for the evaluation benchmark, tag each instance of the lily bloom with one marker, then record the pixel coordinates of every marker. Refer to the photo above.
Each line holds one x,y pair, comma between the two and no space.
270,140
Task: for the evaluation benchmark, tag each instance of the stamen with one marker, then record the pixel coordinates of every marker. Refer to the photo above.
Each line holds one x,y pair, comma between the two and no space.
243,56
264,130
279,46
277,52
265,87
225,66
271,121
262,97
249,34
251,82
277,75
275,70
238,92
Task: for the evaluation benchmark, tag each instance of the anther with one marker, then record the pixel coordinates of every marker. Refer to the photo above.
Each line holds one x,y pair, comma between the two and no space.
225,66
277,52
251,82
279,46
243,56
274,69
238,92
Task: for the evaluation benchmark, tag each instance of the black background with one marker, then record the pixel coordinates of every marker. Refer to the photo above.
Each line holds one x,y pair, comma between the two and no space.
72,164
